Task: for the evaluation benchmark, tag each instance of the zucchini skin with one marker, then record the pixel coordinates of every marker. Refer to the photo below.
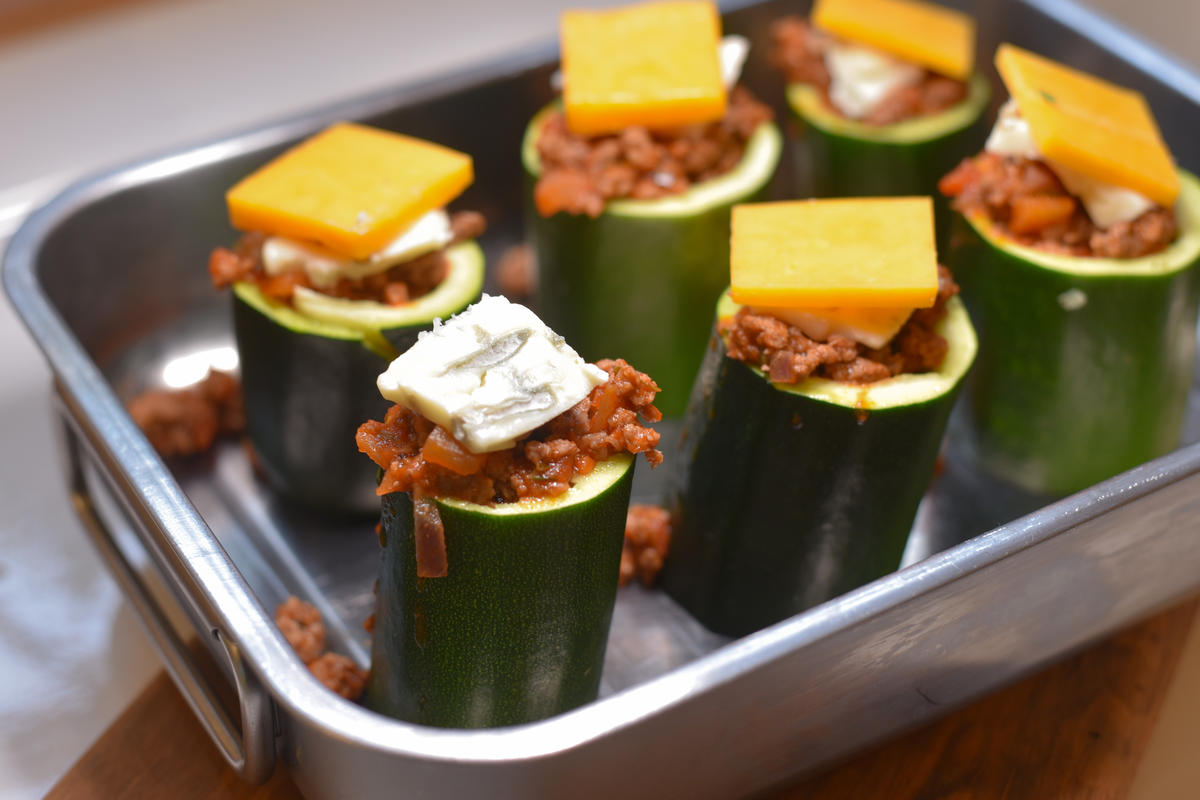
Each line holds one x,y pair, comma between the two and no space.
517,629
641,287
1063,399
782,501
305,394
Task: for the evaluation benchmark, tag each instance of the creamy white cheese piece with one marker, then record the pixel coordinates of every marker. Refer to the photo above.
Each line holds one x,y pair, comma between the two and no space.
1010,135
860,77
1106,204
430,232
490,375
874,327
731,51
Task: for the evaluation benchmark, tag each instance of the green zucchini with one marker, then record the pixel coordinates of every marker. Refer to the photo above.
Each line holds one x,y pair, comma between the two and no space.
308,379
787,495
639,280
1086,362
517,629
839,157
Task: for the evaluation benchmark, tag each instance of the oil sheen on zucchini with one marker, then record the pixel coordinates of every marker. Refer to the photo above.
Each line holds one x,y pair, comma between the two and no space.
517,629
839,157
639,280
308,379
788,495
1085,363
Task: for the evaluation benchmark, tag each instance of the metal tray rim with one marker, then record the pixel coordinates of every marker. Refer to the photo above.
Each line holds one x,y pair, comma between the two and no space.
291,685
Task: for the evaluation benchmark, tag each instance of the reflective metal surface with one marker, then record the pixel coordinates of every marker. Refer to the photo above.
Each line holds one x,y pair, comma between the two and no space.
684,713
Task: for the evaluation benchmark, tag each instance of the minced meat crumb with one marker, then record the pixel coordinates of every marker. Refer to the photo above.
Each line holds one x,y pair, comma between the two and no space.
788,356
1028,203
798,51
340,675
300,623
647,540
401,284
516,272
180,422
580,174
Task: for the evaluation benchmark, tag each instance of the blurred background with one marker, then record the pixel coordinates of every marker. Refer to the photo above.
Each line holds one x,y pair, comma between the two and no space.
86,84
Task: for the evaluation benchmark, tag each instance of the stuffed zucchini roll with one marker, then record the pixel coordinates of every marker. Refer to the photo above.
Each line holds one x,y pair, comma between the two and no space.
817,415
1077,249
885,92
348,253
506,470
632,176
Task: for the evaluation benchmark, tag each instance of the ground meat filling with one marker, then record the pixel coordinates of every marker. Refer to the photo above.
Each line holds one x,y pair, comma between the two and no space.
1025,200
420,457
417,455
797,50
403,283
647,540
301,625
182,422
340,675
788,356
580,174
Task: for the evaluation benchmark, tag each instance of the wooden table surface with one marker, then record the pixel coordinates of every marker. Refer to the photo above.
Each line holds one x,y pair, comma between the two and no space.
1119,721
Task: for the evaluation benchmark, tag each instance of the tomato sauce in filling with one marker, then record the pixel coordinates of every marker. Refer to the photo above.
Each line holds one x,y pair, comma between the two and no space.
580,174
788,356
797,51
420,457
402,283
1027,202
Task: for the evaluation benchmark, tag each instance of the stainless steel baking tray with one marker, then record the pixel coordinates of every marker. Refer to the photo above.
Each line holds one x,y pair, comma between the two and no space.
109,277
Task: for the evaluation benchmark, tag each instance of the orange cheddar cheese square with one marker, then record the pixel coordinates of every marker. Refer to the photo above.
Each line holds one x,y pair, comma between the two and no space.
853,253
654,65
1105,131
351,188
935,37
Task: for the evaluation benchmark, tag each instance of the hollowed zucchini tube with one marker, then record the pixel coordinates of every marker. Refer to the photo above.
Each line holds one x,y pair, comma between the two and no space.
1085,363
789,495
639,280
516,631
840,157
308,378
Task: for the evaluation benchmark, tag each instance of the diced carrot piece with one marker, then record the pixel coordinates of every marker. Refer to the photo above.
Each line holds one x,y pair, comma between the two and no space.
1032,213
567,190
283,285
606,404
444,450
958,179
